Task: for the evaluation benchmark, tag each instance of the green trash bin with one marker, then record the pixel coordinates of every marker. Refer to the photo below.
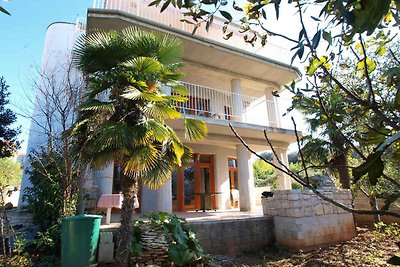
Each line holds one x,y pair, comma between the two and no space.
79,240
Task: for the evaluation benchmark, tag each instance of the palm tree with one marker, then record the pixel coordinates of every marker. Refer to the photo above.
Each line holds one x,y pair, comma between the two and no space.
122,117
330,148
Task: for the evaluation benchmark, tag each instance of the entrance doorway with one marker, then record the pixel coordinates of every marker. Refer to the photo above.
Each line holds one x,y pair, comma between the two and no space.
233,182
187,181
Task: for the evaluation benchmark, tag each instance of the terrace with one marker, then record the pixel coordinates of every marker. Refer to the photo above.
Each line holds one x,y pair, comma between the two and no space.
224,105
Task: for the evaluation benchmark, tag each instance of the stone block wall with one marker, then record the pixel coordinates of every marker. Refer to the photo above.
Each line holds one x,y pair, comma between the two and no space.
234,237
304,221
361,202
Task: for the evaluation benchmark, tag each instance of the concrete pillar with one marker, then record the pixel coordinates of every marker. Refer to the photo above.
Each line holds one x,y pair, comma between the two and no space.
221,177
237,101
246,179
272,108
284,182
104,179
156,200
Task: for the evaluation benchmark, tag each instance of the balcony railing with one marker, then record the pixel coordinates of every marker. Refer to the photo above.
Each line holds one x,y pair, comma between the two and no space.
172,16
225,105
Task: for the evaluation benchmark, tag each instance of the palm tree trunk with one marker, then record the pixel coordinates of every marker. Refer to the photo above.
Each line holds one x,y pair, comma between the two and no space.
125,230
343,171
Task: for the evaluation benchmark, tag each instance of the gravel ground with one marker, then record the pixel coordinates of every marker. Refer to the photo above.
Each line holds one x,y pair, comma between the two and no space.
368,248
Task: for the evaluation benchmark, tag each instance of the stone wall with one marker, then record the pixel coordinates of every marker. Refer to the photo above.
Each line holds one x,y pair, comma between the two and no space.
304,221
361,202
234,237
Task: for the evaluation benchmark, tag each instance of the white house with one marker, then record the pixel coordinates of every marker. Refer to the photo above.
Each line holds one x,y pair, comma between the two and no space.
228,82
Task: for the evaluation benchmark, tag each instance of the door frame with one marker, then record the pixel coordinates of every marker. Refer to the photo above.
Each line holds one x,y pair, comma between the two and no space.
197,165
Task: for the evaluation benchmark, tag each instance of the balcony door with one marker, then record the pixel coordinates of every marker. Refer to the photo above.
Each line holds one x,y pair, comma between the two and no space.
195,177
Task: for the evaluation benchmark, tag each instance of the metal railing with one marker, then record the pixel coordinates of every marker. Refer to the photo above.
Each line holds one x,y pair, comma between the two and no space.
172,16
219,104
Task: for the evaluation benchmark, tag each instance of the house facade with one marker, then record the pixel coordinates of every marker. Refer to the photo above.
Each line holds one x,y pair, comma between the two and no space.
229,82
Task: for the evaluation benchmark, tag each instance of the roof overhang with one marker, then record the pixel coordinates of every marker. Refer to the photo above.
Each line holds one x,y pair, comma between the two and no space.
203,52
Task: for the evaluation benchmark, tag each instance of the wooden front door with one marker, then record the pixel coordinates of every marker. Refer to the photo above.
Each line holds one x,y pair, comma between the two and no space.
195,177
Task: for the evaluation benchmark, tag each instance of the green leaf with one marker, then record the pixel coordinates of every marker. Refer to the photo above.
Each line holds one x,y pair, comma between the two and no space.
226,15
314,65
158,129
155,3
165,5
316,39
137,95
4,11
161,112
373,166
327,37
195,130
369,16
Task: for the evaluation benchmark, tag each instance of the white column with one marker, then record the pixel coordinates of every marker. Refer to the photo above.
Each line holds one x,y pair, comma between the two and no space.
221,177
284,182
246,179
237,101
104,179
272,108
156,200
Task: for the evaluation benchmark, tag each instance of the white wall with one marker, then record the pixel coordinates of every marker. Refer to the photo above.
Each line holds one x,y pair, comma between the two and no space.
56,58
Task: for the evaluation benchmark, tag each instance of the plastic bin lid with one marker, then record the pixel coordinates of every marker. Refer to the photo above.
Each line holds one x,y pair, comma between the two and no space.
82,217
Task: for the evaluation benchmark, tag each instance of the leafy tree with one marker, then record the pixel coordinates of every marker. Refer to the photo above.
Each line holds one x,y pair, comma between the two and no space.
10,173
8,136
45,199
122,117
264,174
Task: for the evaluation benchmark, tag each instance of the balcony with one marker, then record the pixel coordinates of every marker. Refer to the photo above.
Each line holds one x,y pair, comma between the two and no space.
224,105
172,16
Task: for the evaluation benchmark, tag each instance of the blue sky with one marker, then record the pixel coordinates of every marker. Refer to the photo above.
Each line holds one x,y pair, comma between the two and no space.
22,37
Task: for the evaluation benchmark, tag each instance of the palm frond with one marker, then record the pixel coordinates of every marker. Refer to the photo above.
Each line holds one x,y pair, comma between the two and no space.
143,65
141,160
99,51
159,174
176,98
98,106
171,49
135,94
158,129
177,88
161,112
112,135
177,148
195,130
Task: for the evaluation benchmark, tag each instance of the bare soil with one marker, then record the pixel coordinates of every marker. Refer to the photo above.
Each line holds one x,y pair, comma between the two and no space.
368,248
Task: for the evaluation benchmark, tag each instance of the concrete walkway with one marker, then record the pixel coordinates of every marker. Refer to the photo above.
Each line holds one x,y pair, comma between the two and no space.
193,216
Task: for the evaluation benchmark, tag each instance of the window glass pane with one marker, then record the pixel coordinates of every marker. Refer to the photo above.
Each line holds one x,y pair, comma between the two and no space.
174,185
188,174
232,163
205,158
235,177
205,182
117,176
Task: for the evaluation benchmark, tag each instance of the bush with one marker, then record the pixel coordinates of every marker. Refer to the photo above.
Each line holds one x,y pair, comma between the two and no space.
181,244
44,197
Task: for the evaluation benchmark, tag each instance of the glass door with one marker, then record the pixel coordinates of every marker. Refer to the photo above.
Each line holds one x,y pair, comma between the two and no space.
189,187
190,181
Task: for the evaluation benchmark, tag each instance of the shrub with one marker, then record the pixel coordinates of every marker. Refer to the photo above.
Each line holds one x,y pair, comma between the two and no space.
182,246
